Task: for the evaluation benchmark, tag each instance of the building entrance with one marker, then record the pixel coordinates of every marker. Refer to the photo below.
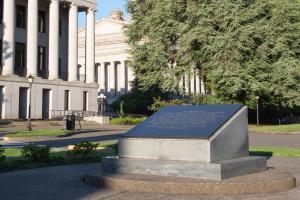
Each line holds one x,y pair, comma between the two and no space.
23,103
46,104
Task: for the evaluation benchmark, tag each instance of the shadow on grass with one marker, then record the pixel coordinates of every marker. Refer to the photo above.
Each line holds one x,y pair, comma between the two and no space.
267,154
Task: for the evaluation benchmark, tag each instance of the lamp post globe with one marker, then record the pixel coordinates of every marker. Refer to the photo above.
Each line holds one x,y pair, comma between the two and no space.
30,79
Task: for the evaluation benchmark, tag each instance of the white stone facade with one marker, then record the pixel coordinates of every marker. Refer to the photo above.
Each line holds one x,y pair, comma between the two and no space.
39,38
112,70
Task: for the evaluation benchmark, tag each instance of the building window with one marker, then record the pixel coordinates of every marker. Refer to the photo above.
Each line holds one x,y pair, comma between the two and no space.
21,17
85,100
42,70
96,73
116,79
1,12
126,79
20,59
1,43
60,27
1,100
42,22
67,97
105,78
61,73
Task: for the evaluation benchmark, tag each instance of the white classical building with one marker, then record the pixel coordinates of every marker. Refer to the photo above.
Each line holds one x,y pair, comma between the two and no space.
39,38
112,70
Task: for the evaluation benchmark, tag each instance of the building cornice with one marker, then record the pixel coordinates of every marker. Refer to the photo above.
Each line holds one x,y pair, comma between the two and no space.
106,20
86,3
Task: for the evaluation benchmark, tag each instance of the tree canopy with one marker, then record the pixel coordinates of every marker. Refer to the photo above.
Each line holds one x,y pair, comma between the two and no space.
246,48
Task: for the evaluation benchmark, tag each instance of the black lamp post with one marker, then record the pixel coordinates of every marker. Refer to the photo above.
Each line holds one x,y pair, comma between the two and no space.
30,79
257,110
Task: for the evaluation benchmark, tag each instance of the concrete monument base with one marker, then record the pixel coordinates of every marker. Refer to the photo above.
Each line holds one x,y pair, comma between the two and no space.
268,181
215,171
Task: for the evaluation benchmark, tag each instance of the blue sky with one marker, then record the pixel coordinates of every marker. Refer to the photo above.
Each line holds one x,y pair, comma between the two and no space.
104,7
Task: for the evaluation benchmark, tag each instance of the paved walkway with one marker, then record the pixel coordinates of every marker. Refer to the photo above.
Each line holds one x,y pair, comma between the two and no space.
62,183
256,139
112,132
265,139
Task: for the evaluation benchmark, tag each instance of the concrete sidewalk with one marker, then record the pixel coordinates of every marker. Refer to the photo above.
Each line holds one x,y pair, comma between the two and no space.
62,183
277,140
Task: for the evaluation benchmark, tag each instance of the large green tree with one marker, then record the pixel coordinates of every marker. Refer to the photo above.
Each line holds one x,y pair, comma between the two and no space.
246,48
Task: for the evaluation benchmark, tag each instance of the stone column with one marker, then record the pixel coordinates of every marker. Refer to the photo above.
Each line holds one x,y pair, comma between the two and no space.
111,78
192,84
198,84
122,77
102,78
54,40
32,37
73,45
8,45
130,78
187,84
90,46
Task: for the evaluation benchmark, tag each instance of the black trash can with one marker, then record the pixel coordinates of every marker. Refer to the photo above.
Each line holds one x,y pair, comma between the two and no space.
70,122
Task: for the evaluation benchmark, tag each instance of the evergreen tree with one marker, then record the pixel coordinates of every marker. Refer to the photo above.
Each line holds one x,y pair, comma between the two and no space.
246,48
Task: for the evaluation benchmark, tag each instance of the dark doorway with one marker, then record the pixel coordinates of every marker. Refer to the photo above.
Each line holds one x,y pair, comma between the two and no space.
1,100
23,102
46,104
85,94
67,94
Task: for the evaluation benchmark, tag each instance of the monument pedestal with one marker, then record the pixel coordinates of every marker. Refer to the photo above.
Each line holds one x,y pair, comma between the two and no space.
206,142
190,150
187,169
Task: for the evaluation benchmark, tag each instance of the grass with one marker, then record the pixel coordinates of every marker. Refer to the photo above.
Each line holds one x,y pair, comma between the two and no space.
15,161
12,152
127,120
39,133
276,128
275,151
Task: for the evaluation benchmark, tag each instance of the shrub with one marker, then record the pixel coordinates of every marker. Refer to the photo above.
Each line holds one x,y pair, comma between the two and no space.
36,153
83,150
206,99
133,103
2,156
159,103
127,120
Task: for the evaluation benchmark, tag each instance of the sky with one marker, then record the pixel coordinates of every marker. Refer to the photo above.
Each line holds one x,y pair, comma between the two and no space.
104,7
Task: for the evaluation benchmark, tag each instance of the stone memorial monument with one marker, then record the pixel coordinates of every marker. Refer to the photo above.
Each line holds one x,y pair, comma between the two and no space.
203,141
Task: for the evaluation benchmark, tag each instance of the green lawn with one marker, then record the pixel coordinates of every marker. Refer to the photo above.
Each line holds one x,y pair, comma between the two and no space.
16,152
15,161
127,120
47,133
275,151
254,150
276,128
12,152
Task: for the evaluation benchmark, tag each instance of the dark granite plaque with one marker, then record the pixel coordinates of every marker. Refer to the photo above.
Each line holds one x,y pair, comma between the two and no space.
187,121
